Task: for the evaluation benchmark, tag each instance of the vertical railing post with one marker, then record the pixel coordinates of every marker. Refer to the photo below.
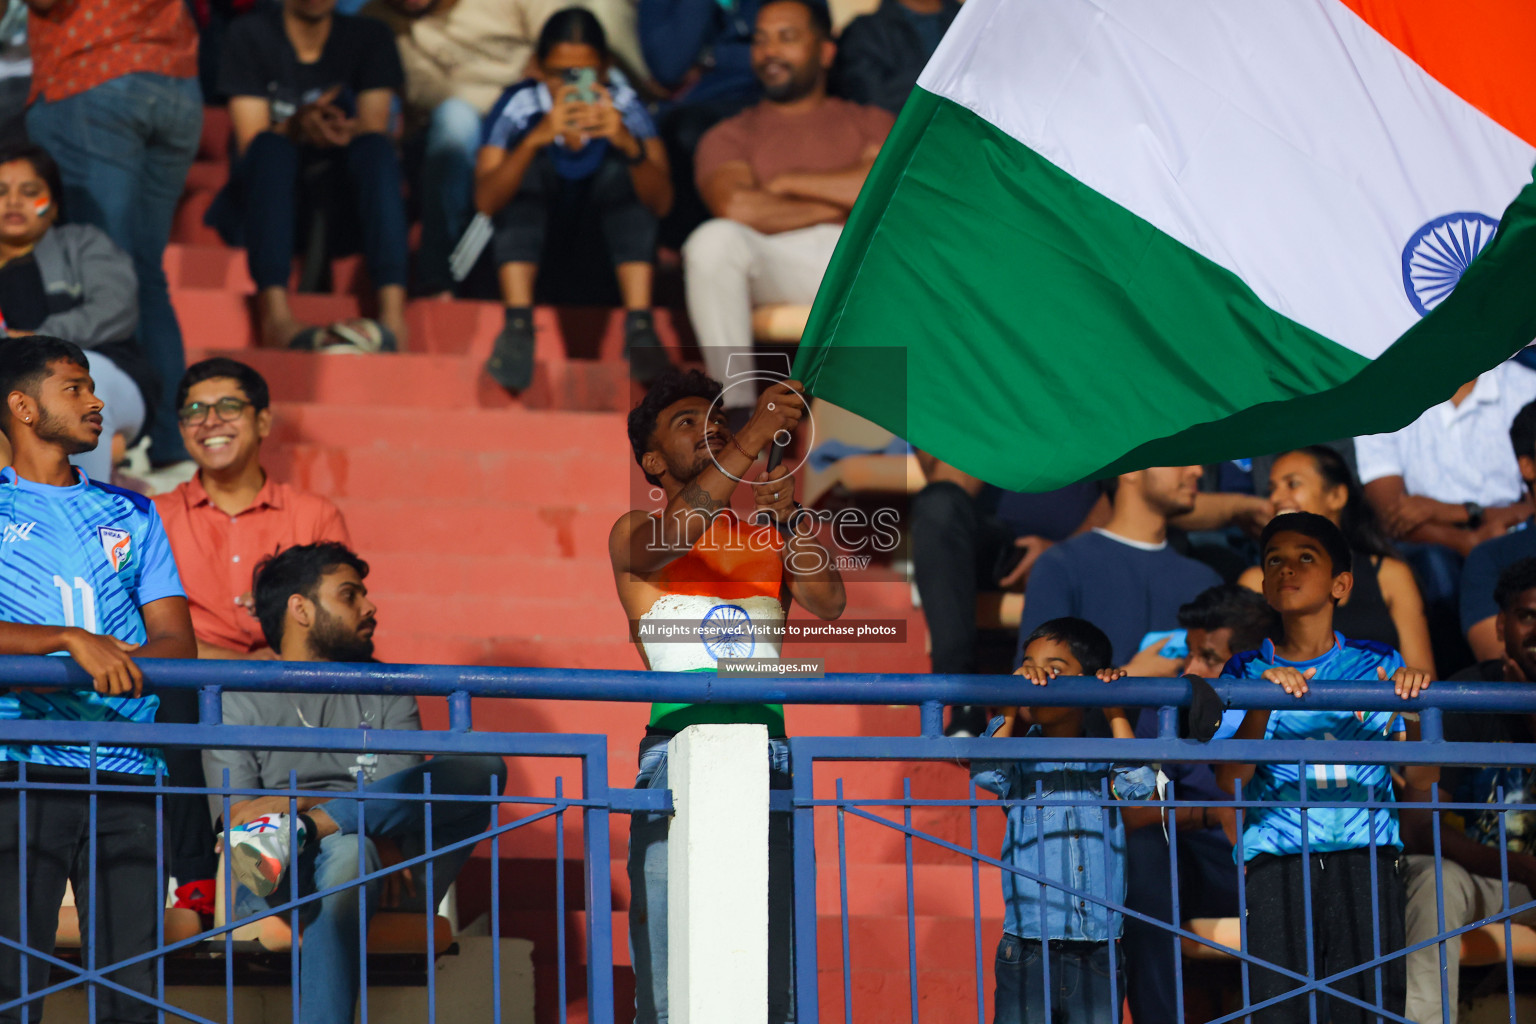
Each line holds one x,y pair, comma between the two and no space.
717,875
599,894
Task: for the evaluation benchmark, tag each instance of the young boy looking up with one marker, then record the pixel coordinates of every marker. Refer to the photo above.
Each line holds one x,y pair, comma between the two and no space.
1081,847
1306,564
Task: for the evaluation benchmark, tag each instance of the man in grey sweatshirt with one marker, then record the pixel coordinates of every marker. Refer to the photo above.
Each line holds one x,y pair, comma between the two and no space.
313,606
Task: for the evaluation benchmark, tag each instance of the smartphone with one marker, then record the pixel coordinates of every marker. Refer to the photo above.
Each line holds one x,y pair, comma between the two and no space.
585,81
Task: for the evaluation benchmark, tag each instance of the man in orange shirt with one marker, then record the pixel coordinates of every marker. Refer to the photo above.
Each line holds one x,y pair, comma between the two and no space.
231,515
221,524
115,101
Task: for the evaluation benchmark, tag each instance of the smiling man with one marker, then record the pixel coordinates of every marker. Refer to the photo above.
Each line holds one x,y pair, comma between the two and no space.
85,570
231,515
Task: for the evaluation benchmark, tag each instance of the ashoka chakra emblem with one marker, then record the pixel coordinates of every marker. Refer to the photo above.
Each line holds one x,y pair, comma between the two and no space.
1439,253
726,632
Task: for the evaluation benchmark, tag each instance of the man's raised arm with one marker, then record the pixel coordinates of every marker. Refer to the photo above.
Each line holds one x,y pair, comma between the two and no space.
642,543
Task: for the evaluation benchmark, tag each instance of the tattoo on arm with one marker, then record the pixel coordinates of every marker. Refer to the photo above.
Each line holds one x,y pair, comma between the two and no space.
700,499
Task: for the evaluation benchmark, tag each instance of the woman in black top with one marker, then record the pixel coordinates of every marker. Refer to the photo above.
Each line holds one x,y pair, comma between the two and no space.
1385,604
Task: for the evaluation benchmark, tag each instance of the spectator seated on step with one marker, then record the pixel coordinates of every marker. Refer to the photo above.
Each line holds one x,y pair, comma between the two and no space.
309,100
231,515
458,56
1079,938
70,281
779,180
969,537
1447,482
115,101
1472,861
314,607
1217,624
880,54
573,136
1487,562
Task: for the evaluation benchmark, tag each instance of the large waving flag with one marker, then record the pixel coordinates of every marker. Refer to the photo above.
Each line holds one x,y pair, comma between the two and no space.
1118,233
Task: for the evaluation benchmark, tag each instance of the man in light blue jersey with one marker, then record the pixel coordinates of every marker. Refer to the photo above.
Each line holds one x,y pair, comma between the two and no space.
1352,855
85,570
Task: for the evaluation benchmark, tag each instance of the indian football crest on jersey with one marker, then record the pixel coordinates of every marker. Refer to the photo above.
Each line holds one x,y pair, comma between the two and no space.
118,546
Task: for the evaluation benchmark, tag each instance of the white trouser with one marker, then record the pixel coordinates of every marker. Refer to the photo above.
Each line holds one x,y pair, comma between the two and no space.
122,412
728,268
1468,898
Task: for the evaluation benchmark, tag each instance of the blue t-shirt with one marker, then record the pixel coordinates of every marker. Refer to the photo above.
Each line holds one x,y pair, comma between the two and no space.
91,556
1481,573
1125,589
1277,830
522,106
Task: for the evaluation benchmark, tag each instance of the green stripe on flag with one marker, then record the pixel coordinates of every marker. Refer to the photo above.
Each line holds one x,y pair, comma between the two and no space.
1051,335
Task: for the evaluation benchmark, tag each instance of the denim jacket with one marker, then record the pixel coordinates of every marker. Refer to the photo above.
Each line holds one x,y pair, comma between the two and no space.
1081,847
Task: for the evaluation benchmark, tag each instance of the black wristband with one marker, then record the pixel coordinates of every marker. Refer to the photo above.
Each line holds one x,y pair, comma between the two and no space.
311,837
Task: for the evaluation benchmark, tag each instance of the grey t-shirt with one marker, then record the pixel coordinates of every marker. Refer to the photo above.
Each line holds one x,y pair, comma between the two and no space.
326,770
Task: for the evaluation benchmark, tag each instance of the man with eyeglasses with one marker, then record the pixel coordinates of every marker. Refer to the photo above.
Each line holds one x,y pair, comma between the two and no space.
231,515
221,524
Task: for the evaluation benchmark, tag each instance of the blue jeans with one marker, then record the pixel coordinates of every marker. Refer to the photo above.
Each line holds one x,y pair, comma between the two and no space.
329,965
1079,982
648,892
447,189
123,150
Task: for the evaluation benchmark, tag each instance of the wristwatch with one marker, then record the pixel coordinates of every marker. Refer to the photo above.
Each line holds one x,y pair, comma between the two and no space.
1474,515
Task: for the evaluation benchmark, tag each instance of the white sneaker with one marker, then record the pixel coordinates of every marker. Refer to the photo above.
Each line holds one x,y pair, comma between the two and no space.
258,851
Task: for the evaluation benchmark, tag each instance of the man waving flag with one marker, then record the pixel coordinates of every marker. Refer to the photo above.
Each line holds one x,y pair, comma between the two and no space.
1118,233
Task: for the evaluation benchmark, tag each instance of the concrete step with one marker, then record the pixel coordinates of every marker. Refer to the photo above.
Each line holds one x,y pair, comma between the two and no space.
212,297
430,381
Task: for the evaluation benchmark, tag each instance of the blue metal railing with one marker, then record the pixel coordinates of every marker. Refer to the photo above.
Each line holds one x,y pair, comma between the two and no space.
598,799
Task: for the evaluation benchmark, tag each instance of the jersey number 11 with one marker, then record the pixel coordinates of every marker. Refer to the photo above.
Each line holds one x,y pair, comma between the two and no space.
87,620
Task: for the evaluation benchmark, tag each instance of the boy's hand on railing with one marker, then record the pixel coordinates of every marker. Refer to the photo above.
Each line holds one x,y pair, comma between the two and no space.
1290,680
105,659
1406,681
1036,674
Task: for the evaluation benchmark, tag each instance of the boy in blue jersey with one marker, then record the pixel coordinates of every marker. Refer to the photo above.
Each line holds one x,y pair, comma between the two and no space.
85,570
1353,855
1082,847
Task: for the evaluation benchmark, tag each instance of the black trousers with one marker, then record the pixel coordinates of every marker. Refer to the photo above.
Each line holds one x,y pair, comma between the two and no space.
129,896
1343,905
628,225
189,838
955,551
1208,881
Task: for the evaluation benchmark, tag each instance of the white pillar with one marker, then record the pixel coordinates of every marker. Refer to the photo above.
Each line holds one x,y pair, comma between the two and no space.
717,875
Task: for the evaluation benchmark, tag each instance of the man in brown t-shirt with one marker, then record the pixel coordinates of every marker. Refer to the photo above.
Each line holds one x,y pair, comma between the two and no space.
779,178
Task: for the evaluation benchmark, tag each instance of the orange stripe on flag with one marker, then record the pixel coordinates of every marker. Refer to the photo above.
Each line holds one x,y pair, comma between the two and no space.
1479,49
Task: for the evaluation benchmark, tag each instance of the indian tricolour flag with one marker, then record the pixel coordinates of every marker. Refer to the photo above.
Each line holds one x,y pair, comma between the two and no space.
1117,233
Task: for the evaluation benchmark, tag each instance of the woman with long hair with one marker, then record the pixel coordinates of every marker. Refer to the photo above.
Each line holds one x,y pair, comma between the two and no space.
1385,604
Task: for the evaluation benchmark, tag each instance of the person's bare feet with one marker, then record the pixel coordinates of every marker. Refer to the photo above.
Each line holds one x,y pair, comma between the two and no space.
276,324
